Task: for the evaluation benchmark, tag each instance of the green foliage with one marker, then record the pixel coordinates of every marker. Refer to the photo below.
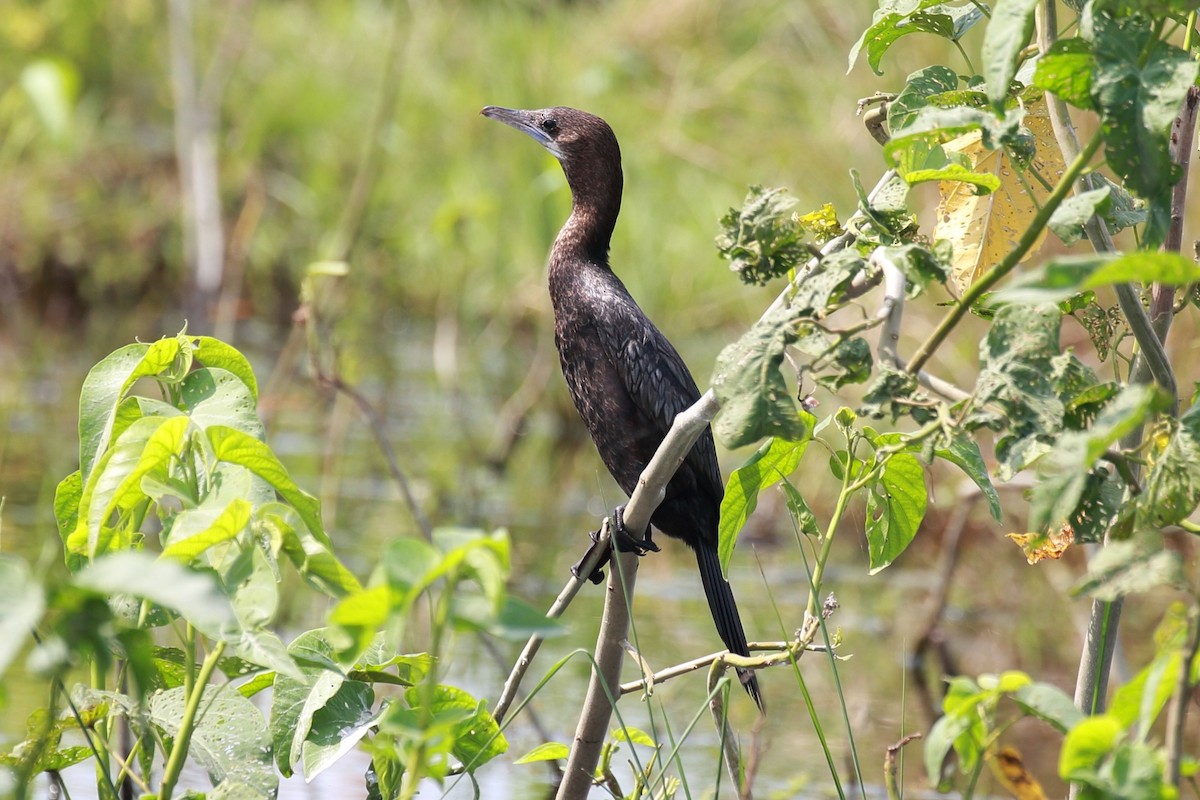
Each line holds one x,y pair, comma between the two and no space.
1007,33
1065,470
895,507
755,399
1060,278
897,18
763,240
771,463
227,516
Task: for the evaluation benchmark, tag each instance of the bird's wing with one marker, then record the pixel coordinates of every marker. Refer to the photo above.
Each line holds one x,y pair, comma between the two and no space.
659,383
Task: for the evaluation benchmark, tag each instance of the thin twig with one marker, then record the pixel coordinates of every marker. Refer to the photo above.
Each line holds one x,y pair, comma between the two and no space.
592,728
781,649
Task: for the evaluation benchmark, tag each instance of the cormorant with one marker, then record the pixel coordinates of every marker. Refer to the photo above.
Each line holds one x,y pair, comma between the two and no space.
627,380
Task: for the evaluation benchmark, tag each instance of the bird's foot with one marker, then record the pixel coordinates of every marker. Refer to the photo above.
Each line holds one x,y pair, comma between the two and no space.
597,575
626,542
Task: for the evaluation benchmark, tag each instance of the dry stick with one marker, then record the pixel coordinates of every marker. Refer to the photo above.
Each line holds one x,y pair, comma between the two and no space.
891,311
605,682
781,655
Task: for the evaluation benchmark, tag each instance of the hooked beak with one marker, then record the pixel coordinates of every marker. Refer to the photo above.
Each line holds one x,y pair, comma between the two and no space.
525,122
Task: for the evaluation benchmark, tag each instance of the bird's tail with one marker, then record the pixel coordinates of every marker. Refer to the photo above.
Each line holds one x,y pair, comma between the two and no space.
725,614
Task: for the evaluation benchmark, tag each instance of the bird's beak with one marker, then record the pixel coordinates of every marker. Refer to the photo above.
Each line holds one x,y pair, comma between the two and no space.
525,122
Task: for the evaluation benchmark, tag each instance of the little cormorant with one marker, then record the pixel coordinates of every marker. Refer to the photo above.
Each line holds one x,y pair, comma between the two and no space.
627,380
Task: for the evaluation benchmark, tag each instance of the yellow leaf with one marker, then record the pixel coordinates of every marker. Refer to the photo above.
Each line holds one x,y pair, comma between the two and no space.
1038,546
1011,772
984,228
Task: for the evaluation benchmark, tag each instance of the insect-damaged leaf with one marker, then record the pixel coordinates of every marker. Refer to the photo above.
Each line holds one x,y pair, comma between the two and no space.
1064,478
755,399
1173,485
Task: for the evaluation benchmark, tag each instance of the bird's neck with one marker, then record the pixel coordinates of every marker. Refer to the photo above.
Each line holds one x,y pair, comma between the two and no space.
595,205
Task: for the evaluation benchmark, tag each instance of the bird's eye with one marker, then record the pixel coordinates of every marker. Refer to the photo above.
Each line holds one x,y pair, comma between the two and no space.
549,124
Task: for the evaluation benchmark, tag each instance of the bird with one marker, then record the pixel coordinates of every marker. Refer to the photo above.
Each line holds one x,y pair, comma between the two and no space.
627,380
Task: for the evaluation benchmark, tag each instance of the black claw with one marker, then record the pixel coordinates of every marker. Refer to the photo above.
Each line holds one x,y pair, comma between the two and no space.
626,542
597,575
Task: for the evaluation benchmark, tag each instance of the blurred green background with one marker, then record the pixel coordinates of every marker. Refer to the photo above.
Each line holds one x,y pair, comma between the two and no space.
443,319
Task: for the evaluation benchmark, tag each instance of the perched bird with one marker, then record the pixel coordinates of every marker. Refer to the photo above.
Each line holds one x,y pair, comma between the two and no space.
628,382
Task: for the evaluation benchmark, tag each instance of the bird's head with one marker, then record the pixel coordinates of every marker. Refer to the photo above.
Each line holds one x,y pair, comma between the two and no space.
576,138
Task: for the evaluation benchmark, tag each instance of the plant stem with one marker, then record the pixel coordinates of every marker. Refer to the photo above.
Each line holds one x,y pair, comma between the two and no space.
103,762
814,602
998,272
188,724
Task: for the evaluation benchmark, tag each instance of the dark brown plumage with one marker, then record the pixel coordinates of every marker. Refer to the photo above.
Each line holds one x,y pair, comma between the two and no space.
627,380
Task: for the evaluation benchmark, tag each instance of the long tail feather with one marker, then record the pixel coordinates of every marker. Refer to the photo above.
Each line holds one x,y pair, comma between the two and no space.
725,614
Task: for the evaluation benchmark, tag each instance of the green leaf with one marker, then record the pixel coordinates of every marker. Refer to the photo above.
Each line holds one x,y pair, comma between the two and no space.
216,396
1172,488
920,265
1068,219
550,751
108,482
1066,71
1143,698
194,595
260,682
1128,567
895,507
632,736
338,727
517,620
762,240
755,399
67,496
1049,704
155,443
964,453
1018,376
1007,33
476,737
897,18
1124,210
806,521
837,360
1063,277
237,447
227,740
314,561
775,460
1064,474
215,353
920,86
1138,97
1086,744
21,605
105,386
1144,266
295,701
196,530
920,158
265,649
